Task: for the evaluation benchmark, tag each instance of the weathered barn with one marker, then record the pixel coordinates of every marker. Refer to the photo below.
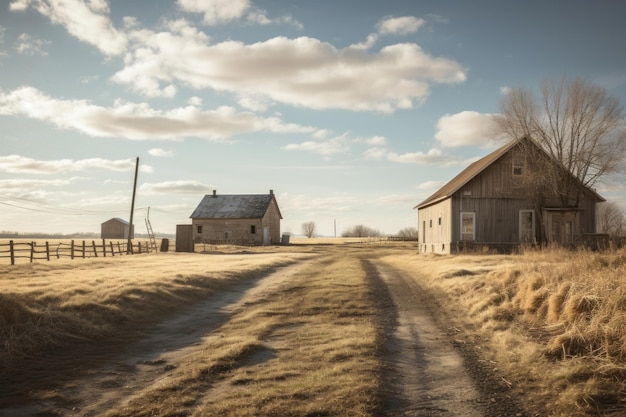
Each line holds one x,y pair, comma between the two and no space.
250,219
489,204
116,228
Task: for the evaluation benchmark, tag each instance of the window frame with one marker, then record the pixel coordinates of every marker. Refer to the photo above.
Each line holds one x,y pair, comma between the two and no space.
473,233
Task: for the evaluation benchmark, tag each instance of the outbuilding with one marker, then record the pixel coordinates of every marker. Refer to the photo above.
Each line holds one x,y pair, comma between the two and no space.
116,228
248,219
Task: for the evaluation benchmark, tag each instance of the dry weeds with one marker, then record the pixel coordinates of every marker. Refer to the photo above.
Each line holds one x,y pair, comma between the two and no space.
553,321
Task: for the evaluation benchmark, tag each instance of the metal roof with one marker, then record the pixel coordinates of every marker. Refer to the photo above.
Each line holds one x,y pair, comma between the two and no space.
233,206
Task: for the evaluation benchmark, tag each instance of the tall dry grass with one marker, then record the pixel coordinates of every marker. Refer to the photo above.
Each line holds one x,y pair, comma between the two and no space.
553,321
52,304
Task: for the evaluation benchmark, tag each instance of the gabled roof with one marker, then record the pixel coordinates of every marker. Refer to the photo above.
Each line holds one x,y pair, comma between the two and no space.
117,219
476,168
467,175
234,206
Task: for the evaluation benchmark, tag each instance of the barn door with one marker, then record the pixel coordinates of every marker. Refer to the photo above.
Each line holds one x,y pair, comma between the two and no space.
526,226
561,227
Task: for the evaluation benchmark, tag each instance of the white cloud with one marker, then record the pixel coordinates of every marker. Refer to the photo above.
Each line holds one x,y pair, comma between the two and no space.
17,164
400,25
160,153
303,72
2,51
430,185
25,185
27,45
467,128
376,153
138,121
432,157
216,11
504,90
376,141
176,187
88,21
338,144
195,101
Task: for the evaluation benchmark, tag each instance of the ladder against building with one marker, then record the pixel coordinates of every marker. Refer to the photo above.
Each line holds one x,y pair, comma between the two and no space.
153,245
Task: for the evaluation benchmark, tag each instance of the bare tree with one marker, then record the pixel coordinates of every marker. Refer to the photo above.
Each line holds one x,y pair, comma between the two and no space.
611,219
408,233
579,126
309,229
361,231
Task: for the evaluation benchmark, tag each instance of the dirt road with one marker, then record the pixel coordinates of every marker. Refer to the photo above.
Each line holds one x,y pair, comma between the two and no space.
424,373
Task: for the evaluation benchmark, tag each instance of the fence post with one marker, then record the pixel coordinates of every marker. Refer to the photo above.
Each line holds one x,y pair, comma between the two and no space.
47,251
139,247
119,248
72,250
112,250
32,251
104,248
12,252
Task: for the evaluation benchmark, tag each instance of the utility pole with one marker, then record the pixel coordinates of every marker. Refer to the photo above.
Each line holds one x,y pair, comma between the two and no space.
129,245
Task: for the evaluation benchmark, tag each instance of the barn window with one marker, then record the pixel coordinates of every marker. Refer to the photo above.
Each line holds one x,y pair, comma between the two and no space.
253,229
199,229
439,220
468,226
431,223
518,167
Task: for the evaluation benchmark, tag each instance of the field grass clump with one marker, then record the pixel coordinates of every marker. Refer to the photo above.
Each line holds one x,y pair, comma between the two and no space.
553,320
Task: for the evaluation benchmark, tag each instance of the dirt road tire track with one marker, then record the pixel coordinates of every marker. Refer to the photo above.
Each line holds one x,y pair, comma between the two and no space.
426,373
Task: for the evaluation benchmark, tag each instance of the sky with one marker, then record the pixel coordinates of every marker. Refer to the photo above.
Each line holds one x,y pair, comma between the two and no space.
351,111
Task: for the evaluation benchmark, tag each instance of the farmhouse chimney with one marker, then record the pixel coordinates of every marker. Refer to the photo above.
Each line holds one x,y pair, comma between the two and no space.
214,193
271,192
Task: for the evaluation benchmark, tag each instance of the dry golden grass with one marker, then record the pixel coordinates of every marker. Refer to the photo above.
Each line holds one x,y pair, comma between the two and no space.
554,321
308,348
47,304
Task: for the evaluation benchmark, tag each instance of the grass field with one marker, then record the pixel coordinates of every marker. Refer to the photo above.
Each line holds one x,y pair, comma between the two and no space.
551,323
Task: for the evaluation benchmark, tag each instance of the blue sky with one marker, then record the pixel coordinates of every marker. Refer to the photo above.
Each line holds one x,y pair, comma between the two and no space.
351,111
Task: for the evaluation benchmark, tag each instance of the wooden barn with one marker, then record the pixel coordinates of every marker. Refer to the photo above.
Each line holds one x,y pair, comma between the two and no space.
249,219
489,204
116,228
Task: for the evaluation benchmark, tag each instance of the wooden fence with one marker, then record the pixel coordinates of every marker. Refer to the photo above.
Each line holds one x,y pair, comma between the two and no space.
81,249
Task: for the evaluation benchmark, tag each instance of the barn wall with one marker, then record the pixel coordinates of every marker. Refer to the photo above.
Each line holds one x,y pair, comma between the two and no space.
237,231
434,227
271,219
114,229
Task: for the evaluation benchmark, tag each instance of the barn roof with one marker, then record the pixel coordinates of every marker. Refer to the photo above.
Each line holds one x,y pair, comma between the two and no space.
473,170
234,206
466,175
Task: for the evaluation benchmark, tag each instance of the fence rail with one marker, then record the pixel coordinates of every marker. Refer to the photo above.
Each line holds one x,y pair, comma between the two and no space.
74,249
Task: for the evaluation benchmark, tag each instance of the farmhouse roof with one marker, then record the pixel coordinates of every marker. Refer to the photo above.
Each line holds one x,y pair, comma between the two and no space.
234,206
117,219
476,168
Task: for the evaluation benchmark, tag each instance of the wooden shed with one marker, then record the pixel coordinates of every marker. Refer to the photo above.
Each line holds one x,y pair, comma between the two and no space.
249,219
116,228
488,205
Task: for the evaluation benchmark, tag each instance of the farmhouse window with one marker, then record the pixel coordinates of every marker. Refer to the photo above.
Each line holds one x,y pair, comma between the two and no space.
199,229
253,229
468,226
518,167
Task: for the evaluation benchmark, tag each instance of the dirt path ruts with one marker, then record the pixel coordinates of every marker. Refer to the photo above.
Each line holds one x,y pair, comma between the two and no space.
158,349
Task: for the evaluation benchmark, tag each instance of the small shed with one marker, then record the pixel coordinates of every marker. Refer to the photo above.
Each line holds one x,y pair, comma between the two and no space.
249,219
116,228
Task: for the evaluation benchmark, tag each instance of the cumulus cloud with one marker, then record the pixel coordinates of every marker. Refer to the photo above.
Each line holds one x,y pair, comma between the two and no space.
467,128
400,25
138,121
160,153
432,157
17,164
330,146
175,187
216,11
28,45
88,21
303,72
24,185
